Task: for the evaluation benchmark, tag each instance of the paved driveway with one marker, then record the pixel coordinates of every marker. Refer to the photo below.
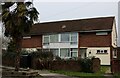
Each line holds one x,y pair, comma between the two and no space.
47,74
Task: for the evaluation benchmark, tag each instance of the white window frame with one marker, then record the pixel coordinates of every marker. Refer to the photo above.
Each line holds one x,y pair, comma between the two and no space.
101,33
114,53
61,37
73,51
73,36
44,39
68,52
54,35
27,37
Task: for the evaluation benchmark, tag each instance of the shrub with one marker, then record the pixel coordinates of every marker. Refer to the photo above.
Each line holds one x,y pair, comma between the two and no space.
43,55
86,65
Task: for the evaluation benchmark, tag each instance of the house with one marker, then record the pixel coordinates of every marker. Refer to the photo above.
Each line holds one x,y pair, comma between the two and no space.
75,38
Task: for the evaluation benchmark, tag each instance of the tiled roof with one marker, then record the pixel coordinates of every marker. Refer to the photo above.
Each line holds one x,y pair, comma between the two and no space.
101,23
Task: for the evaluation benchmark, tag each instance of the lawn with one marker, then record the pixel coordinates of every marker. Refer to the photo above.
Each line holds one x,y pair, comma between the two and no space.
99,74
117,75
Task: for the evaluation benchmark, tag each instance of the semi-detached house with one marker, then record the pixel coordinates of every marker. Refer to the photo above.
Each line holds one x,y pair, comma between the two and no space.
75,38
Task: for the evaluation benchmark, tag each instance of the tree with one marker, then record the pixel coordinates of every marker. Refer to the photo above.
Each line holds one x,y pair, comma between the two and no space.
18,20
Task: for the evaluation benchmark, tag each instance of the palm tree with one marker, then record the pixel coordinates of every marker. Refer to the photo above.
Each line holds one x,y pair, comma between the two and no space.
17,22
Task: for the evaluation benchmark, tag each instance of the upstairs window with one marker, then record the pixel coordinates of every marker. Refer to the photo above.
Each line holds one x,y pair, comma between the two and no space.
65,37
101,33
54,38
73,38
27,37
46,39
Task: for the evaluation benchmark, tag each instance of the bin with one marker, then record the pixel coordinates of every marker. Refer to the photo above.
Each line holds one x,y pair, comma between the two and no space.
25,61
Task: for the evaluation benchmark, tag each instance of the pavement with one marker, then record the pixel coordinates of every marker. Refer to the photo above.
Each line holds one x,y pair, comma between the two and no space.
43,73
47,74
108,73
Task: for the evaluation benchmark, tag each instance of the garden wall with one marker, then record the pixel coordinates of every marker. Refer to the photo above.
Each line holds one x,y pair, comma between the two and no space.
68,65
116,66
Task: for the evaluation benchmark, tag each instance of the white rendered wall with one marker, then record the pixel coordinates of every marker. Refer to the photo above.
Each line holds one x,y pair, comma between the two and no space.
105,58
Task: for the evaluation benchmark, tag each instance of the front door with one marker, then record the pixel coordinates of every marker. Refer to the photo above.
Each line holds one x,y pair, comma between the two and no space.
83,52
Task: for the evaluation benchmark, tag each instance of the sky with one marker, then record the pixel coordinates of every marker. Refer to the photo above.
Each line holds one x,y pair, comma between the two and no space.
57,10
52,10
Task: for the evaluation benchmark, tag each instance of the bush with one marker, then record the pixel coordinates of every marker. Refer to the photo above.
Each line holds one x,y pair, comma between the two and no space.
86,65
43,55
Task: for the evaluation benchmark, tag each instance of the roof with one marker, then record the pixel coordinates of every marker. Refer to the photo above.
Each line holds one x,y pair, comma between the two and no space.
79,25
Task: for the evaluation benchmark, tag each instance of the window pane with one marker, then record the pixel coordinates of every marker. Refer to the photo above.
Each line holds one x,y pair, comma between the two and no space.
54,38
64,52
73,38
73,54
65,37
55,52
46,39
105,51
74,49
98,51
102,33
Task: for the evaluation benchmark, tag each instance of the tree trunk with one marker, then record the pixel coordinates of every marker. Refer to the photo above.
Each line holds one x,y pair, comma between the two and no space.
17,42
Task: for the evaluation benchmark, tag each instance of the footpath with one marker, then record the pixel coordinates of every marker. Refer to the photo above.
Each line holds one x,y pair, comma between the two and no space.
43,73
108,74
47,74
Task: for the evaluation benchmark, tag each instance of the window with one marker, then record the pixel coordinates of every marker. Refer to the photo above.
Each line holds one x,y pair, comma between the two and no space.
74,52
102,52
54,38
26,37
64,52
65,37
105,51
46,39
101,33
55,52
98,51
114,53
73,39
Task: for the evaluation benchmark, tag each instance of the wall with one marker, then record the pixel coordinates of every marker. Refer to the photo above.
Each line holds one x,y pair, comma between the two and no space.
33,42
105,58
114,35
93,40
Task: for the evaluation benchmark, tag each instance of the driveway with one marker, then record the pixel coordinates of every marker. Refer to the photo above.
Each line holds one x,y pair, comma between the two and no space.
47,74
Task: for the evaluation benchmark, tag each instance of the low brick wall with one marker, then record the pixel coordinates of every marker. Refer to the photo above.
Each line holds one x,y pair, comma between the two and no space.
70,65
67,65
8,62
95,64
116,66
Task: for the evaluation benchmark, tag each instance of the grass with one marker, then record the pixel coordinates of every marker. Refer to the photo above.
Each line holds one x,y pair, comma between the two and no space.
99,74
116,75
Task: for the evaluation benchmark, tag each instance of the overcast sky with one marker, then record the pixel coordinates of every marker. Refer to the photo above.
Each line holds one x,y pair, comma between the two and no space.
51,10
57,10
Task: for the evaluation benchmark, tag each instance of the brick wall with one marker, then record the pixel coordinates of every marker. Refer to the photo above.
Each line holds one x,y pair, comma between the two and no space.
33,42
93,40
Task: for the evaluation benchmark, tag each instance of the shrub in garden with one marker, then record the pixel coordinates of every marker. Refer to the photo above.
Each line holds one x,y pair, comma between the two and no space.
86,65
41,59
43,55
